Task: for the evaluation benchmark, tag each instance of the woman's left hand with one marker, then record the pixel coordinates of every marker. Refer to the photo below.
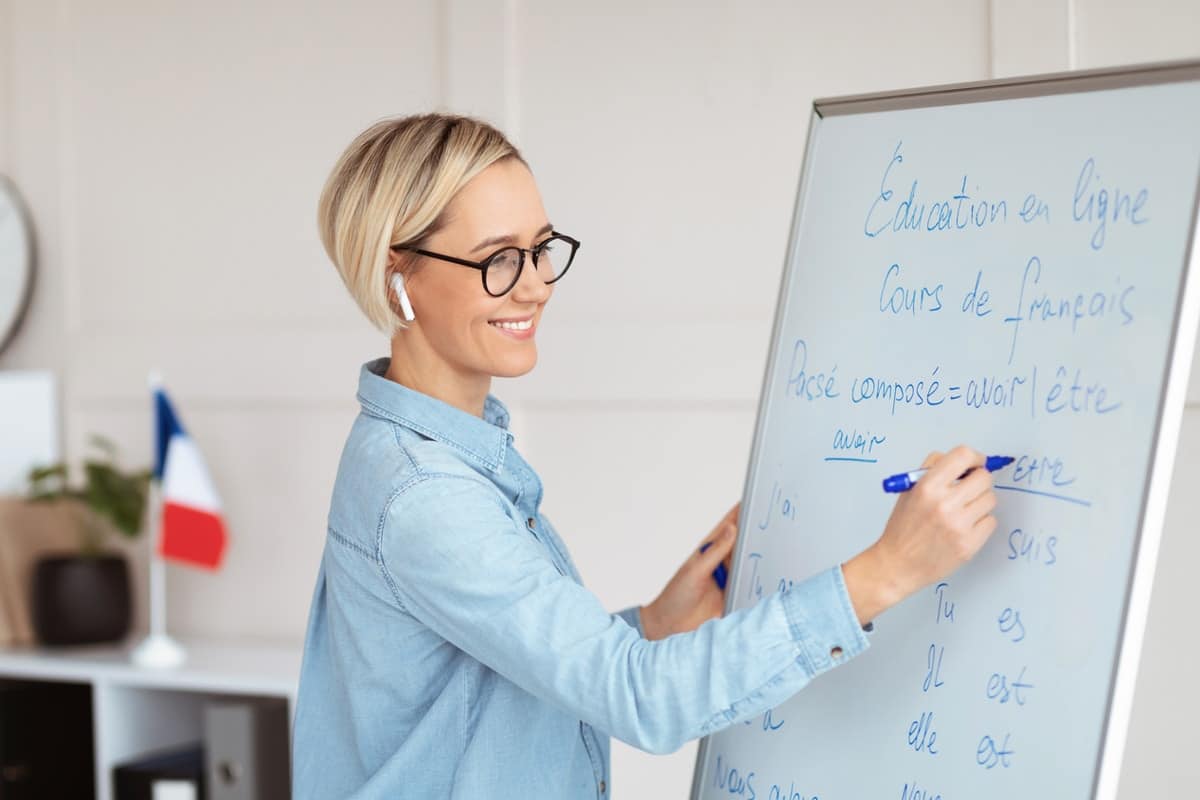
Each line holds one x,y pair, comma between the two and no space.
692,596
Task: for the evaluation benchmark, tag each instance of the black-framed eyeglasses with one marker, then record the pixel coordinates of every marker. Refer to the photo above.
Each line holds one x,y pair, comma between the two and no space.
502,269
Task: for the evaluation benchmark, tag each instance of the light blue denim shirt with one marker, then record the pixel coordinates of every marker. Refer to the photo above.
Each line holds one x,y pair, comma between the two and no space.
452,651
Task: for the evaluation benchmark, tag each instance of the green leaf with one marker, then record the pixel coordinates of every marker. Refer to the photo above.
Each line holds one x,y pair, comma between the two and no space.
108,493
47,479
105,444
116,496
42,473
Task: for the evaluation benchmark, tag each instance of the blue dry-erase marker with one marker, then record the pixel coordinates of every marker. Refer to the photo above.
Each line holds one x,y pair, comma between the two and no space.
906,480
720,573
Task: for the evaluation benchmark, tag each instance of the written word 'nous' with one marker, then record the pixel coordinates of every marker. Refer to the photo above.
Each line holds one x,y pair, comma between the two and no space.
729,781
914,792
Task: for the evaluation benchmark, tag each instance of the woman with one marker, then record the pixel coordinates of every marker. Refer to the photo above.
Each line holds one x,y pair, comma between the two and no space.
451,650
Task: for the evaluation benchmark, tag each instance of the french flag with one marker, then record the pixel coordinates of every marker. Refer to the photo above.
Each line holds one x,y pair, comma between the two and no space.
191,529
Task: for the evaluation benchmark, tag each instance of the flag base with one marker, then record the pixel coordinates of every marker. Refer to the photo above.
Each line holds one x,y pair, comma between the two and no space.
159,651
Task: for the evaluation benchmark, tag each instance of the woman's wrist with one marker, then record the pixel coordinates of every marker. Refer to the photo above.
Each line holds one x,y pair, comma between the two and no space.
871,585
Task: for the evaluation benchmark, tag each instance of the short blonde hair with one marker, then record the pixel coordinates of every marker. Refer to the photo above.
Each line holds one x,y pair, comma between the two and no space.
391,186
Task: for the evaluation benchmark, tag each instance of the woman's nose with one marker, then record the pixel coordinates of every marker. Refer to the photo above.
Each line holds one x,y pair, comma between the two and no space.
531,287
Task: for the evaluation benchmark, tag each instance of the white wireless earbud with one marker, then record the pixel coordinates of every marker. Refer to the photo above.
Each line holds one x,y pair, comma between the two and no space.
402,296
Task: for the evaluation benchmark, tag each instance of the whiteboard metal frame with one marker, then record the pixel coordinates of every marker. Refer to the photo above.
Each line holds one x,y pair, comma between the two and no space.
1171,402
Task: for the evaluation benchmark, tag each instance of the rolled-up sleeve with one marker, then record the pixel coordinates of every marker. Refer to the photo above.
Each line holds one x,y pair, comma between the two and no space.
455,560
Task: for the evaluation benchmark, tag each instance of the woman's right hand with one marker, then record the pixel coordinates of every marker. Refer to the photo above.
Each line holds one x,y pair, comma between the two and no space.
934,528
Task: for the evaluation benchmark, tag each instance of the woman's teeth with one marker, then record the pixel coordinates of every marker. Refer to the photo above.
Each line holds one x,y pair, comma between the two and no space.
514,326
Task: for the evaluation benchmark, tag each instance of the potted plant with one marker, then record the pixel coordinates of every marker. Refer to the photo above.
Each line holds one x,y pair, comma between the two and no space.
84,597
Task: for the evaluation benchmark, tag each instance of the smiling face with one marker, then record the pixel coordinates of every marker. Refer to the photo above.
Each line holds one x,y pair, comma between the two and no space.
462,336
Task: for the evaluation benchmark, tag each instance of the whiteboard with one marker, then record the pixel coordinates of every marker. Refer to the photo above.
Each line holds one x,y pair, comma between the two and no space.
1002,265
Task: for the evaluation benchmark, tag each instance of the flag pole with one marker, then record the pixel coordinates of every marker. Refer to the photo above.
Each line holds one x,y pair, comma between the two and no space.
157,650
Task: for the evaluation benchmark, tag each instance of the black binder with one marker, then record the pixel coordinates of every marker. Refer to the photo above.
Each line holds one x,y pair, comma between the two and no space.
135,780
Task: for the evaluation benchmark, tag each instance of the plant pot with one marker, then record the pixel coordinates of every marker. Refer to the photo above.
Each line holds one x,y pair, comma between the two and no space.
81,599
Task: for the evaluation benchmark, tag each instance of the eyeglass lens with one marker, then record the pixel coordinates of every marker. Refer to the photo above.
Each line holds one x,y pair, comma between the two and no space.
503,269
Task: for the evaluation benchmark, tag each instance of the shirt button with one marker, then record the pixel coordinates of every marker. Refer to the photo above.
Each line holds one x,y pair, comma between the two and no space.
531,522
836,652
602,787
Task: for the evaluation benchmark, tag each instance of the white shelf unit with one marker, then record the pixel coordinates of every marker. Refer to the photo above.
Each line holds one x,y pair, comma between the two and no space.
136,710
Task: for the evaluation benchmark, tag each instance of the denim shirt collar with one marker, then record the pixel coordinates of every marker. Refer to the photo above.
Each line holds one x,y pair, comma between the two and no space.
485,440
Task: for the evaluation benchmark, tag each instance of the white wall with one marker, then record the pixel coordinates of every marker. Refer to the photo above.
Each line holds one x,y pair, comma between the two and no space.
172,154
